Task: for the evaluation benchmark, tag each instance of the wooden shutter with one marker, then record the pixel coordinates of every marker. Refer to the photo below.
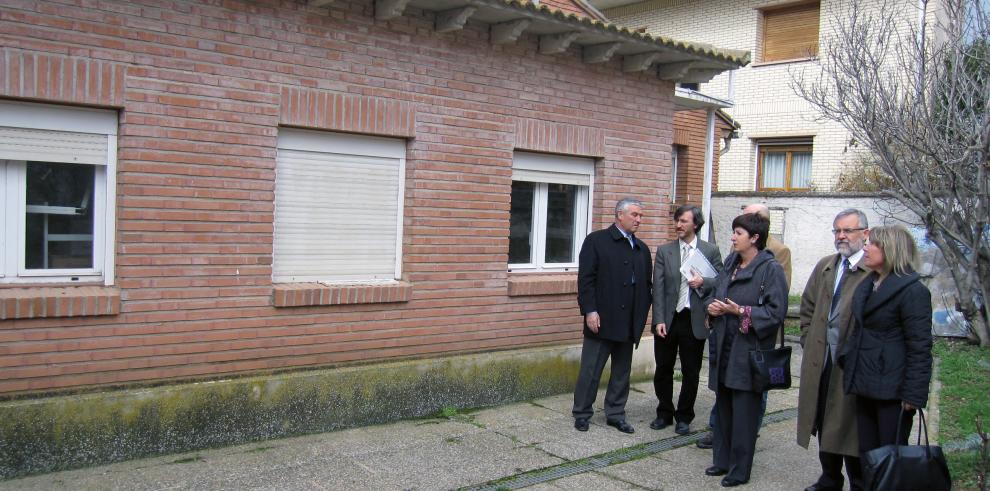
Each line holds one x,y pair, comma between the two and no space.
337,213
790,32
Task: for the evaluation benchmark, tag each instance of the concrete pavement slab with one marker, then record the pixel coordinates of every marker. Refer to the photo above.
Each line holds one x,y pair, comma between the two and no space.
591,481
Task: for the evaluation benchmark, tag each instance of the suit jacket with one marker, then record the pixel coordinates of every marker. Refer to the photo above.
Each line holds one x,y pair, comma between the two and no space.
606,269
782,254
839,427
667,284
889,354
767,318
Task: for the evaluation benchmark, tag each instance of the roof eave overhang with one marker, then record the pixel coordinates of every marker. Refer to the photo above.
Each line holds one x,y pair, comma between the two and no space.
688,100
559,32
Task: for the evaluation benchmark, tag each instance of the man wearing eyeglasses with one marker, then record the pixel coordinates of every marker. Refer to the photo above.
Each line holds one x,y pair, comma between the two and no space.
823,409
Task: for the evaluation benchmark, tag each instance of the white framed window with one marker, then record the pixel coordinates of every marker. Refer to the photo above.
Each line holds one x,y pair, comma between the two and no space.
58,170
784,164
338,207
549,218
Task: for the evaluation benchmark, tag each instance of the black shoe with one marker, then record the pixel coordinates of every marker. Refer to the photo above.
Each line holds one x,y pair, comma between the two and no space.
728,482
682,428
622,426
706,441
659,424
581,424
819,487
715,471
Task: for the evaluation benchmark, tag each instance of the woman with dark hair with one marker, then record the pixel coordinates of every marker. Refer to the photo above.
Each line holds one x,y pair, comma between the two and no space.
887,361
746,312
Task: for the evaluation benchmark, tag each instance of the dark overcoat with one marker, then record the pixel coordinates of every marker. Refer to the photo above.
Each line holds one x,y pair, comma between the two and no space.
615,280
839,433
762,286
667,285
889,354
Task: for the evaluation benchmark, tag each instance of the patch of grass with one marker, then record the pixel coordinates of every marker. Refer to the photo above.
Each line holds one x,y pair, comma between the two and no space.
461,415
962,469
964,372
794,300
792,327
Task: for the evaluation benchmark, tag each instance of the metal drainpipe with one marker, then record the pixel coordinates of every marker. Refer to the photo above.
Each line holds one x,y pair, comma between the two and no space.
706,192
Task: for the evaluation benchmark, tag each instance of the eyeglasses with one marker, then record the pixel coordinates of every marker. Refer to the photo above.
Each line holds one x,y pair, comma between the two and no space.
847,231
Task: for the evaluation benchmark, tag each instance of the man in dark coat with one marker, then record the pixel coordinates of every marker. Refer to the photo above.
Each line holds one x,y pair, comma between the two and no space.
614,281
679,318
823,408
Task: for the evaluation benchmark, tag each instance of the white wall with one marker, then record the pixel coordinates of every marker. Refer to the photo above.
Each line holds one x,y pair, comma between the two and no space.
807,224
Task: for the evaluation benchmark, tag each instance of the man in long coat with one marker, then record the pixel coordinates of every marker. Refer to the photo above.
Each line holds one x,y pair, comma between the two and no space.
823,408
615,275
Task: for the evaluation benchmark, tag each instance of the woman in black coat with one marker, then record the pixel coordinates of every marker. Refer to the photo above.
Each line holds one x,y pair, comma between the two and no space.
887,361
746,311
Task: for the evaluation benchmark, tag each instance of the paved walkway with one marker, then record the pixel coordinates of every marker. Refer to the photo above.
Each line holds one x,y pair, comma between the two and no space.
531,444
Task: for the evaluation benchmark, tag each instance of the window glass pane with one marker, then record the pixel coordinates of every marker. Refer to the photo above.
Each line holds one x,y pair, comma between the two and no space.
774,169
561,222
800,169
59,221
521,223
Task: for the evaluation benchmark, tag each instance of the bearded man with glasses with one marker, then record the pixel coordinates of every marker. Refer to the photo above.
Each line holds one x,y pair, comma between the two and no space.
823,408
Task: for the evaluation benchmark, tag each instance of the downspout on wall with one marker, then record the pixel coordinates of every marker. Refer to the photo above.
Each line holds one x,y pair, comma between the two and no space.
706,196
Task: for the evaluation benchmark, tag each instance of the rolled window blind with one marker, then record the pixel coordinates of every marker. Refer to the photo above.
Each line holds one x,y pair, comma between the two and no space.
336,216
790,32
52,146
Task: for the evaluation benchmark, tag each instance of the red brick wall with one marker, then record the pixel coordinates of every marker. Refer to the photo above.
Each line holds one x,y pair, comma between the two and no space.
690,132
202,88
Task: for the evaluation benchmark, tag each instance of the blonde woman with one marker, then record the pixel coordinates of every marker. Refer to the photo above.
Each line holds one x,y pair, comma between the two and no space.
887,362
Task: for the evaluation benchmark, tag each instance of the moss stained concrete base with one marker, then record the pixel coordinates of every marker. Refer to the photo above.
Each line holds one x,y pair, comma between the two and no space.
63,432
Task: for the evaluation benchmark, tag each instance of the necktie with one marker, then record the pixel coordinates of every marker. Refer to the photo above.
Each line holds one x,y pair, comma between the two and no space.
632,241
682,294
844,271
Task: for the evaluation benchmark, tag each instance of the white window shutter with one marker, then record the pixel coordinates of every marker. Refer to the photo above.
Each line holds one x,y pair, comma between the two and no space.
52,146
337,214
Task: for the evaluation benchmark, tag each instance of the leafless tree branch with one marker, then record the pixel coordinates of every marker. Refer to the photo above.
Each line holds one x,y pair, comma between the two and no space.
912,86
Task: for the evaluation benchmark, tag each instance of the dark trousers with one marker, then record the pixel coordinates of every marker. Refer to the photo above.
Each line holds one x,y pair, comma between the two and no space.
831,477
734,436
877,422
679,337
594,353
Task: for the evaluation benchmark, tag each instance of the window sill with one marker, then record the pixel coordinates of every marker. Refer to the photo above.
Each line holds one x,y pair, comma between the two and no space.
309,294
542,284
782,62
49,301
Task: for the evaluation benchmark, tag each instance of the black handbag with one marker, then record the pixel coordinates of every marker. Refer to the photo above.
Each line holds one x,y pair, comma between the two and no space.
771,368
907,467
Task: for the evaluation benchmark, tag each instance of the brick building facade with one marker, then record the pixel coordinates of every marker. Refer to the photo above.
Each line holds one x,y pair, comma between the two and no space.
195,113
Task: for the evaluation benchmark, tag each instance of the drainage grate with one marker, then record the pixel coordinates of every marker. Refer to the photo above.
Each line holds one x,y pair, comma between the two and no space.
607,459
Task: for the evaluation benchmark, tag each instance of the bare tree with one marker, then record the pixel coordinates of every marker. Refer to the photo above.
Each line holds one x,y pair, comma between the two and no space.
914,95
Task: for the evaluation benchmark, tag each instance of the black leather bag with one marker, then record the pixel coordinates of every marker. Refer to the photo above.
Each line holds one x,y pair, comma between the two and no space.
907,467
771,369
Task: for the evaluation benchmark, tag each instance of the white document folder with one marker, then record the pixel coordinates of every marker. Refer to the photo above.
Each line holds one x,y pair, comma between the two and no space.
698,263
